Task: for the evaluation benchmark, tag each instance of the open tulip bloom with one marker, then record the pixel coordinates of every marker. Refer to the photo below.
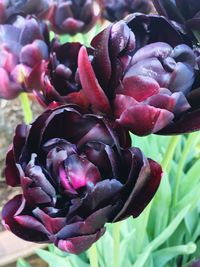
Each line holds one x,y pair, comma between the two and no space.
77,172
147,78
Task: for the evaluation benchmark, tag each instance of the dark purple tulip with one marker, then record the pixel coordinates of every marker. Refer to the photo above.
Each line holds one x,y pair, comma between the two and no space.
147,76
23,44
77,172
57,79
39,8
183,11
114,10
72,16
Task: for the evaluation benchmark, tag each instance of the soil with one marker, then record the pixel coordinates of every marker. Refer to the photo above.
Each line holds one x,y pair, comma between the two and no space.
11,115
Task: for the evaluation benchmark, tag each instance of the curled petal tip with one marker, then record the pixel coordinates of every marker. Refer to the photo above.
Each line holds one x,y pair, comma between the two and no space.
90,84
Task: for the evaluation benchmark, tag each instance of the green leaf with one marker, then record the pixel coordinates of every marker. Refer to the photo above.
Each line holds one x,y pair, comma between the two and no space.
52,259
140,225
77,261
192,197
125,244
105,248
142,258
22,263
160,207
191,220
197,231
178,237
163,256
192,178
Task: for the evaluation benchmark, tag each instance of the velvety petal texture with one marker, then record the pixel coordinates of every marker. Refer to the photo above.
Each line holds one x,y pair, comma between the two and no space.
23,44
77,172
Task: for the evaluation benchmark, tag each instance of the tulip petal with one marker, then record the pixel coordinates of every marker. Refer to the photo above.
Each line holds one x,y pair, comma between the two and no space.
33,53
144,189
90,225
138,87
53,225
8,89
90,85
8,216
100,43
189,122
167,8
103,192
142,119
81,172
77,245
11,170
30,222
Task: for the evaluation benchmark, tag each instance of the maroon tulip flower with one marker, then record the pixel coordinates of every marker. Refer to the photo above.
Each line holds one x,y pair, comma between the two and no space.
77,172
39,8
114,10
57,79
24,43
147,76
182,11
72,16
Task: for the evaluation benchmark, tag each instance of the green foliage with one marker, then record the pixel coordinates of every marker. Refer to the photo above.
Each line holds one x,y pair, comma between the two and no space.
22,263
167,233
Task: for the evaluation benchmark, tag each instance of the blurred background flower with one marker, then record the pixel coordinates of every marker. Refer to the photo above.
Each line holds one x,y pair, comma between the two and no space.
39,8
114,10
72,16
24,42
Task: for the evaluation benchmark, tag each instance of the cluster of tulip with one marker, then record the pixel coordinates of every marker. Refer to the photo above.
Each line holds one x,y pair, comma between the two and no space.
75,163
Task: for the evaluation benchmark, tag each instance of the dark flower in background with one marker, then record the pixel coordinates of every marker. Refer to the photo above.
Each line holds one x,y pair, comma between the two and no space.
114,10
72,16
56,79
23,43
182,11
77,172
39,8
144,70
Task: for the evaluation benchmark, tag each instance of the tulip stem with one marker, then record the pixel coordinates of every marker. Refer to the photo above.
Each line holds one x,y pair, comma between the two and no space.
170,152
116,239
93,256
25,103
191,141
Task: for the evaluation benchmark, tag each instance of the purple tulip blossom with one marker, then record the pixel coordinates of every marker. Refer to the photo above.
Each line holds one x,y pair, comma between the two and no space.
143,71
23,44
77,172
